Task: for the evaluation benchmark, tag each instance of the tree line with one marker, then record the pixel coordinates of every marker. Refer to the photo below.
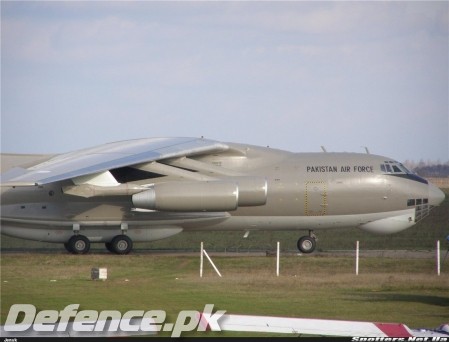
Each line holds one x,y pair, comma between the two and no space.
429,168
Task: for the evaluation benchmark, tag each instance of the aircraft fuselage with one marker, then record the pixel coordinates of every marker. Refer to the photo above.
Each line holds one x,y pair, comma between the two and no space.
308,191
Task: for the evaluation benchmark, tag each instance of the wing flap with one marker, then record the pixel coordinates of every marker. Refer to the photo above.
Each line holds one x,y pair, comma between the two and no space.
110,156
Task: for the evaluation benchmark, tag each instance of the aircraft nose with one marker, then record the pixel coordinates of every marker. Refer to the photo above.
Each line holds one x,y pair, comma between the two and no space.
436,196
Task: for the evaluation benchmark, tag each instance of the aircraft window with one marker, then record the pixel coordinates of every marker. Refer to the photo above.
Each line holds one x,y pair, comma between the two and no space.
396,169
418,201
410,202
425,200
404,169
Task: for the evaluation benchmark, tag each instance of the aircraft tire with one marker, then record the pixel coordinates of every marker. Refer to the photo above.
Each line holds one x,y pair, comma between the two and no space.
306,244
121,244
79,244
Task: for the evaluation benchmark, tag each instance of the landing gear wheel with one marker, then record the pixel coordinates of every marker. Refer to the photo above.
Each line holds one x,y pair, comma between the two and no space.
121,244
78,244
306,244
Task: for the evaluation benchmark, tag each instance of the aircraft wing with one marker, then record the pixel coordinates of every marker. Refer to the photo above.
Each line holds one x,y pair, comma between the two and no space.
108,156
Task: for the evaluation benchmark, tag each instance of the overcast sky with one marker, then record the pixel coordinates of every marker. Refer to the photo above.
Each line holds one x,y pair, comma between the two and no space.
291,75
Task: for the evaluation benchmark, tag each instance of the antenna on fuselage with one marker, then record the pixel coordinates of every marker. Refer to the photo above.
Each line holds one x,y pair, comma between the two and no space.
323,148
366,149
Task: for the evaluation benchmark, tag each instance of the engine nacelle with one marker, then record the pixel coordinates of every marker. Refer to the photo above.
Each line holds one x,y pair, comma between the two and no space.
224,195
189,196
252,190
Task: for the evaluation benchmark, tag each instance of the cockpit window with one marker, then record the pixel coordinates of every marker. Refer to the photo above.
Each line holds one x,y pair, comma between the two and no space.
403,168
395,168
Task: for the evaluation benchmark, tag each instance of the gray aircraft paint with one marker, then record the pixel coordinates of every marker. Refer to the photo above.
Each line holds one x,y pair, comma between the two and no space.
184,184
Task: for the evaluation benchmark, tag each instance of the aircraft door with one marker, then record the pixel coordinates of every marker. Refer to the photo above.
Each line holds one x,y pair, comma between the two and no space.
315,198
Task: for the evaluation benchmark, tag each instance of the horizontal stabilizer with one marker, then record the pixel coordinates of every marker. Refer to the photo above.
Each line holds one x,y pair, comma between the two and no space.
8,178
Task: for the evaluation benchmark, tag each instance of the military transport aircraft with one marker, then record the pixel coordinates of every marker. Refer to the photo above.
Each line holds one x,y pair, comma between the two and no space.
150,189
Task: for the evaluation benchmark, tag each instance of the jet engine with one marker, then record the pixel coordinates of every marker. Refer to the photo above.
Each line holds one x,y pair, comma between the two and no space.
225,195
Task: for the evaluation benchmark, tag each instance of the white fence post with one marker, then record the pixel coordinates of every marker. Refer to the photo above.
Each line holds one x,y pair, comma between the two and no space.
438,257
357,258
201,261
277,260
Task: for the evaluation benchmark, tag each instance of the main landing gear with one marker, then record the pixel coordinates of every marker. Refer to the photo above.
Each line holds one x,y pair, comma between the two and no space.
80,244
307,244
120,244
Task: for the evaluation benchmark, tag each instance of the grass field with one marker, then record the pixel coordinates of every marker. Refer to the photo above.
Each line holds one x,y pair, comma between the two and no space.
313,286
386,290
